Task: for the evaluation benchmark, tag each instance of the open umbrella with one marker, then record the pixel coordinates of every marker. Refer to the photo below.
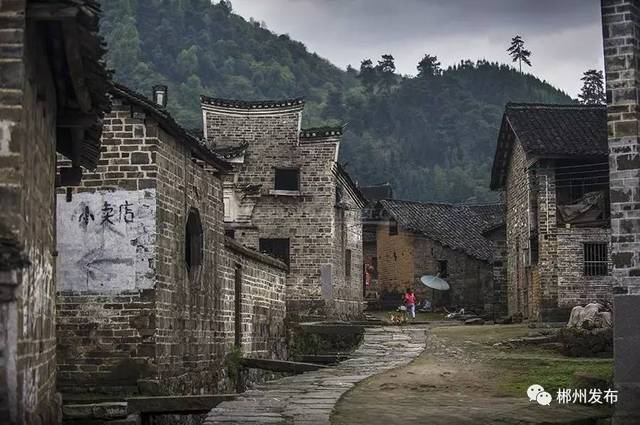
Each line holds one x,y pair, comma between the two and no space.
434,282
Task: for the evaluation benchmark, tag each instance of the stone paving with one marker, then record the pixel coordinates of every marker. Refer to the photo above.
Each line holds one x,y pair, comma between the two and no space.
309,398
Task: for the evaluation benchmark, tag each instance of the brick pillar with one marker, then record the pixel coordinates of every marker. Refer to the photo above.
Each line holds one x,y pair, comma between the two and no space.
621,30
621,19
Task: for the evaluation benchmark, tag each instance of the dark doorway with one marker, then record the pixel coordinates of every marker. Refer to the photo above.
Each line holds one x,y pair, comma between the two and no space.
277,248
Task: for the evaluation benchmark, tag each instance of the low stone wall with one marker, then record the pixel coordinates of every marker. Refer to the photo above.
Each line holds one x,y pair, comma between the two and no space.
262,299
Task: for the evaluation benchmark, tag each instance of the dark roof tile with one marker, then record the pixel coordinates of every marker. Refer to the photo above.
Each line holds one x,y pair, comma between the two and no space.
251,104
550,131
457,226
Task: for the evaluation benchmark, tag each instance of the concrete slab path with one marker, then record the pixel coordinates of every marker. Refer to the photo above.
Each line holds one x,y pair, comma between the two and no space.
309,398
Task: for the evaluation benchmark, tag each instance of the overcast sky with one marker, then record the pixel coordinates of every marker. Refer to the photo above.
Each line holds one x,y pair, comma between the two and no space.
564,35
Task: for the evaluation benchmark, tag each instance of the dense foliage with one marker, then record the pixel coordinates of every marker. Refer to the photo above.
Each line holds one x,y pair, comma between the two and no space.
432,136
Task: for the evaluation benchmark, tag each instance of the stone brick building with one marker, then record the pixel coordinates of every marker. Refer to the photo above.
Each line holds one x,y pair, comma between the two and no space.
416,239
151,296
370,218
289,197
621,24
551,163
52,97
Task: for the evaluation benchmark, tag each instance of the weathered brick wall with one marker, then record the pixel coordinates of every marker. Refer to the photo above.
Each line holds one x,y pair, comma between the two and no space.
347,290
191,315
404,258
395,262
105,341
574,288
263,300
516,200
549,288
131,317
544,301
499,270
315,283
106,265
470,279
27,143
621,26
621,23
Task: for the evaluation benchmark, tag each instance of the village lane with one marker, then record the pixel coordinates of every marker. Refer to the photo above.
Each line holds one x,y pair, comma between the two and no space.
309,398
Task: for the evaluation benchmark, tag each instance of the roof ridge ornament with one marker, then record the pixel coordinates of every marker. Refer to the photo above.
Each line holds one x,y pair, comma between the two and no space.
251,104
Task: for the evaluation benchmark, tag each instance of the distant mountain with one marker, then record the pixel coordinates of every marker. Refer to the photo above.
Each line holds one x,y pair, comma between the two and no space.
431,136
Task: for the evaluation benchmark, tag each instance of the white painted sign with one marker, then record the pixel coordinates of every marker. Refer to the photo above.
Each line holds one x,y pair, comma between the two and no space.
106,241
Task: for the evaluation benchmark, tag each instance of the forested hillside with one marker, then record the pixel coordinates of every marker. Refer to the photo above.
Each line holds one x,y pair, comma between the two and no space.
432,136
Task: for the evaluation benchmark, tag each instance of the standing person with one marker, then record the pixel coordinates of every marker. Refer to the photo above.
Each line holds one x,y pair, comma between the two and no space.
410,302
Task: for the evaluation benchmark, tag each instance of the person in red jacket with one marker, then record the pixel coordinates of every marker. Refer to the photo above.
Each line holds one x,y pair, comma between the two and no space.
410,302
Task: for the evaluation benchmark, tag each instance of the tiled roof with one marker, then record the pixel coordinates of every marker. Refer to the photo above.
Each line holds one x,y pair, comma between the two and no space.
342,174
229,152
251,104
456,226
320,132
76,51
560,129
165,119
378,192
550,131
491,215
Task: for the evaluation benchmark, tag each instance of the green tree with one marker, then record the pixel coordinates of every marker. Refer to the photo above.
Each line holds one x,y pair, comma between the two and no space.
187,61
518,53
385,71
367,75
592,92
334,108
429,66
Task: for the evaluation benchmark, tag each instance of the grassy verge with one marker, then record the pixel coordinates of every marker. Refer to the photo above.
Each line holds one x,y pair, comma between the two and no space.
552,374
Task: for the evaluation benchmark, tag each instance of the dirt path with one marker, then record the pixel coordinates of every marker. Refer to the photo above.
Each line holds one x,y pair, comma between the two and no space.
458,379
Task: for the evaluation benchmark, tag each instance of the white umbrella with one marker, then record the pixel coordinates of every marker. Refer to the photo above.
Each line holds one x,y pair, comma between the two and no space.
434,282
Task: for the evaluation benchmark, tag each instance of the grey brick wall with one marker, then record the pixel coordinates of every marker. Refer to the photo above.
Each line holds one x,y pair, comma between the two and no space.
27,143
621,19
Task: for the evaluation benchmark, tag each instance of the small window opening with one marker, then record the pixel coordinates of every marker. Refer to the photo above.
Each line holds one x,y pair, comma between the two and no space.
534,249
277,248
347,263
443,268
287,179
193,244
393,227
596,257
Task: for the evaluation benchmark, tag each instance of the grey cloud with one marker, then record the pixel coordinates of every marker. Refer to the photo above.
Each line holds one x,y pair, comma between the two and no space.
564,35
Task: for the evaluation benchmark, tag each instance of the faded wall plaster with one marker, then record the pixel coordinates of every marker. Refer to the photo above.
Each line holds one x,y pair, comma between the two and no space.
106,241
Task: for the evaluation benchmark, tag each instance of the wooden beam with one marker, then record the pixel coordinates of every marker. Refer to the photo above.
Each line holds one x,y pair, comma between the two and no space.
70,176
75,66
176,403
279,365
51,11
